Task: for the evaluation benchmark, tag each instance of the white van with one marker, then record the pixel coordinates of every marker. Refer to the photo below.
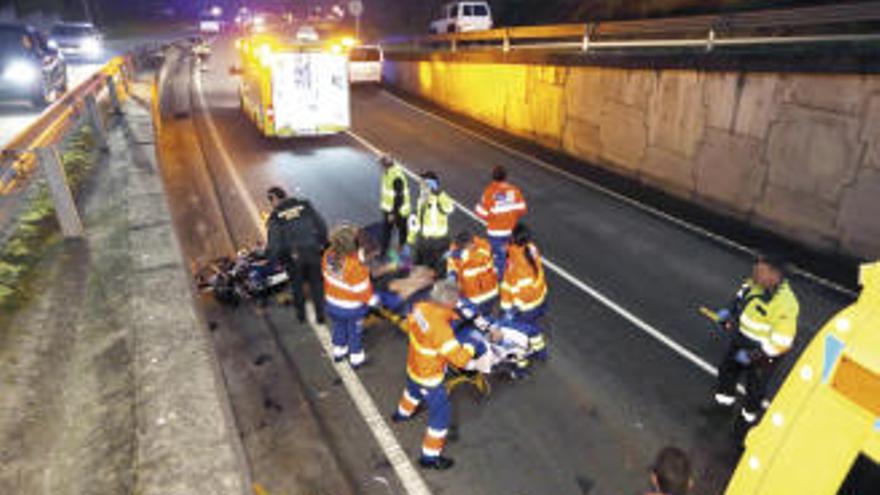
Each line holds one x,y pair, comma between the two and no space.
365,64
462,17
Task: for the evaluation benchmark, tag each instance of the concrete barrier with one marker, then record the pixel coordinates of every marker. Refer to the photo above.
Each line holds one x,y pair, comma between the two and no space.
795,153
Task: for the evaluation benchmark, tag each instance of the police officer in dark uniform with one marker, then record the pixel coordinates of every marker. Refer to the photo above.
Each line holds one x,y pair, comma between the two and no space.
297,235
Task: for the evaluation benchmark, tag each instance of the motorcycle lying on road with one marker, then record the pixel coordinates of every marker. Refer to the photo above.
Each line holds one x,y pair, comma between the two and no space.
249,276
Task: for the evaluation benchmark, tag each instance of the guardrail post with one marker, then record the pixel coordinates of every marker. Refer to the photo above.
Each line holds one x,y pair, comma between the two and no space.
114,95
710,40
585,44
65,207
96,122
125,77
454,46
506,41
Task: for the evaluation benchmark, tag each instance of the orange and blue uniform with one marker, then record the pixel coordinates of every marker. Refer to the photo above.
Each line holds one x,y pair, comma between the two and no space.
524,292
432,347
501,206
473,268
348,294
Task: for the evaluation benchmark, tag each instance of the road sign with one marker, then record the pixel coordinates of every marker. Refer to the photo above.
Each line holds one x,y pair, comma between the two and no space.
356,7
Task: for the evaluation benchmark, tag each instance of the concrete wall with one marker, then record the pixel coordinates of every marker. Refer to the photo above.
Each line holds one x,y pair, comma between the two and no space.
796,153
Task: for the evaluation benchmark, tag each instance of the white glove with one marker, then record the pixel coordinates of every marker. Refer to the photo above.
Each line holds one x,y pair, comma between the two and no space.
482,324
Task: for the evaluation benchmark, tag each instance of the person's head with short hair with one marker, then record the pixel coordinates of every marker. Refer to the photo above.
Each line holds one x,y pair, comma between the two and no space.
499,173
464,238
671,473
275,195
445,293
432,181
770,270
386,161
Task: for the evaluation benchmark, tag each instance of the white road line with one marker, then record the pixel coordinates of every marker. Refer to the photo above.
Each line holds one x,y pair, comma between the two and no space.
616,195
590,291
410,479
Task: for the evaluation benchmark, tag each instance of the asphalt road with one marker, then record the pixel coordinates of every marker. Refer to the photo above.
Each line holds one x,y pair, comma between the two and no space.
631,361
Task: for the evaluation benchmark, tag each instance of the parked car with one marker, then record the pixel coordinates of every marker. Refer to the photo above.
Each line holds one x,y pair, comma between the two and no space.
31,69
77,40
461,17
365,64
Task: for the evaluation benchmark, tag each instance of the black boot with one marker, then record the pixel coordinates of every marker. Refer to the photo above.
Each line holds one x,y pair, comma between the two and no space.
439,463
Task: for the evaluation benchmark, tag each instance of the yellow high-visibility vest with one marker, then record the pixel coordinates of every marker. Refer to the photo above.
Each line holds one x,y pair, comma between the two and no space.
769,319
432,218
394,173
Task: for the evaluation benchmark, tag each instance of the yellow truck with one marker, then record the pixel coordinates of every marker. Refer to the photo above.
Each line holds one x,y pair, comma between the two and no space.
294,85
821,433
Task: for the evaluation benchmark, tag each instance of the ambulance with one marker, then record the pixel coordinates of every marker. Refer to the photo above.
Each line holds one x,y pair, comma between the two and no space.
821,433
294,85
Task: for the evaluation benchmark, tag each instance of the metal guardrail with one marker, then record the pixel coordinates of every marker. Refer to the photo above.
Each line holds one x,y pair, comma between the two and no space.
37,143
765,27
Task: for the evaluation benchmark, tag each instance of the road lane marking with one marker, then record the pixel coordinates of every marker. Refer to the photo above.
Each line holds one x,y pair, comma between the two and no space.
616,195
410,479
590,291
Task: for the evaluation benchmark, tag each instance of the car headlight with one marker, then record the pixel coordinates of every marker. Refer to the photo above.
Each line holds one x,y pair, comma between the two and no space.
91,45
21,72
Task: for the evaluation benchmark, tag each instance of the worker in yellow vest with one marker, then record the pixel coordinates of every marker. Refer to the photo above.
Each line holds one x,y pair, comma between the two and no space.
394,203
429,225
763,320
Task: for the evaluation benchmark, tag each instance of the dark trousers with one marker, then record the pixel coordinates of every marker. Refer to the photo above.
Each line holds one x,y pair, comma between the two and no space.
757,374
390,221
499,253
307,269
430,252
347,335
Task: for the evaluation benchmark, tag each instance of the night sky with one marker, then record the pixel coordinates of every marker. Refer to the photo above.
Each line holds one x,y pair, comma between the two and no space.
383,17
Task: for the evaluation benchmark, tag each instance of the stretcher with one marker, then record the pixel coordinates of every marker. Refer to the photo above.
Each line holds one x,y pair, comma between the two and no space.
508,357
455,377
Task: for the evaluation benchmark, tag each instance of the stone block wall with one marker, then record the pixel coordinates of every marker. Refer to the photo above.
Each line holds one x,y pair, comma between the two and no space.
795,153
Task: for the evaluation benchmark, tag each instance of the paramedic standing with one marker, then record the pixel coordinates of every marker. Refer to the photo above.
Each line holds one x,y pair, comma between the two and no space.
763,319
432,346
502,206
296,236
349,294
524,288
394,203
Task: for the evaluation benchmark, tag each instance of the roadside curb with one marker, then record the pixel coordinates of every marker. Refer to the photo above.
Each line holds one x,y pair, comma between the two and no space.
186,436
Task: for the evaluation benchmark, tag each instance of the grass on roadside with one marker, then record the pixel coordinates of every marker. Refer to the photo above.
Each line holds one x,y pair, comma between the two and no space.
37,226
